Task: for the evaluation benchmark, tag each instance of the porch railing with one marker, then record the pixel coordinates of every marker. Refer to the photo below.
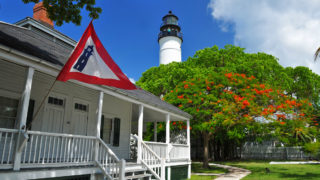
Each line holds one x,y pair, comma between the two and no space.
44,149
53,149
152,161
179,151
108,162
7,147
170,151
161,149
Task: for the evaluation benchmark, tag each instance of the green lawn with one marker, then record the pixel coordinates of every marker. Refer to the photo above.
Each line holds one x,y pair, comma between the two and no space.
196,177
197,168
277,171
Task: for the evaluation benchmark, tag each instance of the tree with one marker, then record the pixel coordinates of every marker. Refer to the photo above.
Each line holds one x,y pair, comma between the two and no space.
68,10
233,106
265,67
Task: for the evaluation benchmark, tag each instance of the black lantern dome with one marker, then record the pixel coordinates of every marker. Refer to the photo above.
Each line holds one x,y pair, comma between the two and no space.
170,26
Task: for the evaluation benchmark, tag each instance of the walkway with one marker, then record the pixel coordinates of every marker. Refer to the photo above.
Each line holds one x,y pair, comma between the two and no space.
234,173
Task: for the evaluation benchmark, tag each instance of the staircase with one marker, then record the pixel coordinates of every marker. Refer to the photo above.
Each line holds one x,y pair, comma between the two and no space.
150,166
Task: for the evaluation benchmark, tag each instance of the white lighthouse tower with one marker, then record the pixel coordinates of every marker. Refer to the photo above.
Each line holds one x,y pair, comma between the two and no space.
170,39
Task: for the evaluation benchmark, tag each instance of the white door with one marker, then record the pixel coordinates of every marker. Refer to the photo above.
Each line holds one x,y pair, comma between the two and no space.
80,117
53,115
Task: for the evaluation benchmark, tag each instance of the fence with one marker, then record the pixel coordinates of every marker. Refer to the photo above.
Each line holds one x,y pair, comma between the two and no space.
273,153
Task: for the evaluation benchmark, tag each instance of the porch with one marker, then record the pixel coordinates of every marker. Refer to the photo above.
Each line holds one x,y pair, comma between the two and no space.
60,141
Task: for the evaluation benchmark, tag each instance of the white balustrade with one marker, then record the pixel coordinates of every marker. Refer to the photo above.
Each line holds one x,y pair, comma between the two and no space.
57,150
108,161
179,151
159,148
53,149
151,160
7,146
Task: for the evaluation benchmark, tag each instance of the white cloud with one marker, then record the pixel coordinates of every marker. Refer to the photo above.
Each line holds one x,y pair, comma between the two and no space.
287,29
132,80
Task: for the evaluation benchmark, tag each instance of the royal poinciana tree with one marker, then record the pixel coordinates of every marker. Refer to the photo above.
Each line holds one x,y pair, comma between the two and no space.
234,106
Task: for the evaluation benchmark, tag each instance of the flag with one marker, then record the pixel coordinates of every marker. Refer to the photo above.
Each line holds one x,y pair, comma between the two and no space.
91,63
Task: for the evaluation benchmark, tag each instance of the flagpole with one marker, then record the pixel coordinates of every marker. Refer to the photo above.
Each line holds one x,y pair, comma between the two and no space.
41,104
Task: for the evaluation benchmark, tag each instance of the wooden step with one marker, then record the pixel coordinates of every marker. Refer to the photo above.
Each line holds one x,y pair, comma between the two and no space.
138,176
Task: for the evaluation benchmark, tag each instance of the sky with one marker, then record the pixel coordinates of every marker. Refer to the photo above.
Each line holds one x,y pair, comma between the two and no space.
128,29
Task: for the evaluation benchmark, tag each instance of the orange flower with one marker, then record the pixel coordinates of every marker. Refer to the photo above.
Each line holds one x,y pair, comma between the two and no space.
302,114
174,123
171,91
262,86
228,75
186,86
208,88
197,110
180,97
245,103
180,105
190,101
316,124
245,115
282,123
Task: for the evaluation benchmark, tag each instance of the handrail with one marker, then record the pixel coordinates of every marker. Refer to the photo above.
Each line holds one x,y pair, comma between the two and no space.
9,130
59,134
184,145
151,151
109,150
151,160
157,143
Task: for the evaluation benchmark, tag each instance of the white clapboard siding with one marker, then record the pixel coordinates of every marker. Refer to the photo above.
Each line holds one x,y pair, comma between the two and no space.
12,78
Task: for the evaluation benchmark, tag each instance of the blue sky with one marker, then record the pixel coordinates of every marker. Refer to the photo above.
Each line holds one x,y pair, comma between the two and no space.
287,29
129,28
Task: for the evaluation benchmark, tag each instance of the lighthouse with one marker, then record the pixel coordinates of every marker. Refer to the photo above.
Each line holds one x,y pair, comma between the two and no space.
170,39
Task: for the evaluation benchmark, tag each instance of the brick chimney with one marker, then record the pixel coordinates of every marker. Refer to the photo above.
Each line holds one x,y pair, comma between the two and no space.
40,14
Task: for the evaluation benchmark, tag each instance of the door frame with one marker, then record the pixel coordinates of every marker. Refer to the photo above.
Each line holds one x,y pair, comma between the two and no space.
80,101
46,105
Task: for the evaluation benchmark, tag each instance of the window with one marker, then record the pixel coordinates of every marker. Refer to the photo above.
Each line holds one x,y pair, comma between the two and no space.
106,129
8,112
110,130
80,107
55,101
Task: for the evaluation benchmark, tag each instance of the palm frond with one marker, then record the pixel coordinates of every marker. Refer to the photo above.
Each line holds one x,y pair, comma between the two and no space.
316,54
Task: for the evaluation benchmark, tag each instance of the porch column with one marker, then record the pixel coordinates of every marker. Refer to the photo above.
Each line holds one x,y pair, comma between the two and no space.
22,117
189,148
155,133
99,113
168,137
168,128
140,133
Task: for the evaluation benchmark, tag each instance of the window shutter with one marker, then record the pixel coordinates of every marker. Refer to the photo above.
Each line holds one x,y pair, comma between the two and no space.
116,132
102,126
30,113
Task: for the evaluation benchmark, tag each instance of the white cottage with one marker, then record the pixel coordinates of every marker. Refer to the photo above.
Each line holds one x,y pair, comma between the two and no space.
82,131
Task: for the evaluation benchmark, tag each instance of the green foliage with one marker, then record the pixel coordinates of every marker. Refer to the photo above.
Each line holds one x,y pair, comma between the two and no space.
236,96
68,10
313,148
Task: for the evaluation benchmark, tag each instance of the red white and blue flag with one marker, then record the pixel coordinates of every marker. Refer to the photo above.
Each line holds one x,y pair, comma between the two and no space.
91,63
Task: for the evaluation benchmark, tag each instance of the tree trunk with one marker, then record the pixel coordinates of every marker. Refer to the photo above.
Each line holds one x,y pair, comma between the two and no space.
205,150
